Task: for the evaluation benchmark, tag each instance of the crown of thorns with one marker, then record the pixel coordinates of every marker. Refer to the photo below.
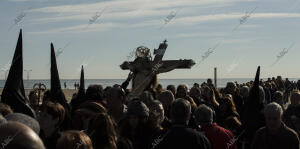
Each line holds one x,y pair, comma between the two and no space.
142,51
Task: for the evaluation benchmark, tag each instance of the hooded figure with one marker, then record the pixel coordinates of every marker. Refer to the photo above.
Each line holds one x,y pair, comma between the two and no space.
56,92
253,117
13,93
76,102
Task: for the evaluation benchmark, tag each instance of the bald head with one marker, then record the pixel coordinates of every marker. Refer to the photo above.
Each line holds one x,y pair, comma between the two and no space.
15,135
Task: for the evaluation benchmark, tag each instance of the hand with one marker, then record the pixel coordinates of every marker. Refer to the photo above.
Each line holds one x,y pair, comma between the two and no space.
130,76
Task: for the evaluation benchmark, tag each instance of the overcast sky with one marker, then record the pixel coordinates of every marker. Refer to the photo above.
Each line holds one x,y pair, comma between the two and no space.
233,35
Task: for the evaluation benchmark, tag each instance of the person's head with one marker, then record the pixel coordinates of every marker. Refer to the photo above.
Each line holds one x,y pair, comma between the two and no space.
166,98
244,91
106,92
33,99
21,137
85,113
102,131
209,81
94,92
278,97
159,88
73,139
203,115
295,98
207,92
196,85
172,88
156,113
227,105
147,98
209,95
24,119
195,92
51,115
116,99
5,109
273,113
231,87
182,91
137,113
180,111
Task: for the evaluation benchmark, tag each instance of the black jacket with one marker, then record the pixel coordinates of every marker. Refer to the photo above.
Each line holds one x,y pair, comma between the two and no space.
180,137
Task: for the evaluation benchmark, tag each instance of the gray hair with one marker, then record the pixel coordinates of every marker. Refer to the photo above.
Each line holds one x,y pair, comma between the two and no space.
273,107
204,114
245,88
180,110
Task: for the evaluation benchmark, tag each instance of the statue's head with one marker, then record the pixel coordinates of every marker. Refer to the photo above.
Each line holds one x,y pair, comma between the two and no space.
142,52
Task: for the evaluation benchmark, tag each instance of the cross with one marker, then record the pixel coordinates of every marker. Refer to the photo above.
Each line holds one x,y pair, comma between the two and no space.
145,69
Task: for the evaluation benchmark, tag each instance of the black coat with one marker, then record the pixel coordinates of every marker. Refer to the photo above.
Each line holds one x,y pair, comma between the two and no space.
180,137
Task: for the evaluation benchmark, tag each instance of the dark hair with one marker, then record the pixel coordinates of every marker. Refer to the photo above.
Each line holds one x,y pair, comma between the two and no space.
181,87
180,110
102,131
172,88
54,109
74,140
94,92
229,103
5,109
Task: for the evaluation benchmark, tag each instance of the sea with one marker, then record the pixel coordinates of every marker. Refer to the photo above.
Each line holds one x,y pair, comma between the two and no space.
221,82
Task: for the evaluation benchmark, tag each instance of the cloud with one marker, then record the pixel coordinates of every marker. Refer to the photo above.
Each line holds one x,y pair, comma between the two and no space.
17,0
180,21
125,9
197,34
80,28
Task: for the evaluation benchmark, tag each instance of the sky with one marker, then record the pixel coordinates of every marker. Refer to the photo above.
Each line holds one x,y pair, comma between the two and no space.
233,35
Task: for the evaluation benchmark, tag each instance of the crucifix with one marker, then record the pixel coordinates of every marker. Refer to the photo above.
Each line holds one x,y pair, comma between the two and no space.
145,69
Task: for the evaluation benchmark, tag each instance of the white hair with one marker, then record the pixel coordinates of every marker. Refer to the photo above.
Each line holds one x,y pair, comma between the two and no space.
273,107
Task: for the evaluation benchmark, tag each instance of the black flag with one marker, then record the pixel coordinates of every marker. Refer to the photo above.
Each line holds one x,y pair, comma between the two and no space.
254,91
75,103
56,92
55,82
81,91
13,93
252,116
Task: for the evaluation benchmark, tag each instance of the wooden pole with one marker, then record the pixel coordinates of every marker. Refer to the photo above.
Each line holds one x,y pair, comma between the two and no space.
215,72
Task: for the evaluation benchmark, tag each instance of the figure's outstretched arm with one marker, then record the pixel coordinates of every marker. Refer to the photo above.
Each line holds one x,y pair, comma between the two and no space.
168,68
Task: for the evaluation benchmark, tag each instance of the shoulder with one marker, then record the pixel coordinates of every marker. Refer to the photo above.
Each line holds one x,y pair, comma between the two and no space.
290,132
261,131
195,133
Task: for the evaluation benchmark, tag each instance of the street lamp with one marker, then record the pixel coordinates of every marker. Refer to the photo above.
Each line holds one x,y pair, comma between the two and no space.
27,70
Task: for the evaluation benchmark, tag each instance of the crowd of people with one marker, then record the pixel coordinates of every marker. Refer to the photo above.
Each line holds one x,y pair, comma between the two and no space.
260,114
202,116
